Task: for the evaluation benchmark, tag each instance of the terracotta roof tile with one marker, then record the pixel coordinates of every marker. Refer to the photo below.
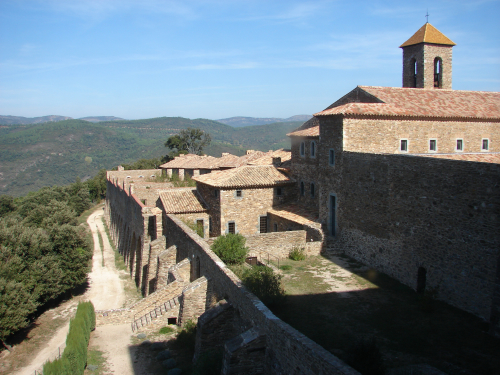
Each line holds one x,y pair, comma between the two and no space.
178,201
310,132
408,102
246,177
309,124
296,213
267,158
428,34
493,158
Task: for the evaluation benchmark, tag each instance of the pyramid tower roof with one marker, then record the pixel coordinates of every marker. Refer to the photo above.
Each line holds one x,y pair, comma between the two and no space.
428,34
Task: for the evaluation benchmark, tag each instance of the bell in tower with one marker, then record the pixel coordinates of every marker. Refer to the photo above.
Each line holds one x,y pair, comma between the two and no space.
427,59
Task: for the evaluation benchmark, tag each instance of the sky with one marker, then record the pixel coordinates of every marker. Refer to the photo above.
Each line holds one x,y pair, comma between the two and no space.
219,59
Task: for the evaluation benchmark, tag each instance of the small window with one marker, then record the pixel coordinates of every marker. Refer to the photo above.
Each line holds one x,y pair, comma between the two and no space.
313,149
302,148
432,145
331,157
275,227
460,144
404,145
216,193
231,227
485,146
279,192
239,193
313,187
263,224
302,189
210,228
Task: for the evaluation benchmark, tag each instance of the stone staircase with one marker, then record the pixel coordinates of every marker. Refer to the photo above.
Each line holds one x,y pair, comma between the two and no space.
158,310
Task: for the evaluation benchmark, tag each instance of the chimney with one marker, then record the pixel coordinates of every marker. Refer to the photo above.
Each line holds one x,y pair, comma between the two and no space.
120,168
277,161
131,189
225,154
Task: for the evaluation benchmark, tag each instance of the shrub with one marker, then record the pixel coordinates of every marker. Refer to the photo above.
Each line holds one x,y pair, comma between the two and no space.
286,267
74,357
265,284
230,248
297,253
187,337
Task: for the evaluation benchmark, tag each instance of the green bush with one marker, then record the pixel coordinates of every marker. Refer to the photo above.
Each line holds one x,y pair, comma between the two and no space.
297,253
187,337
230,248
286,267
265,284
74,357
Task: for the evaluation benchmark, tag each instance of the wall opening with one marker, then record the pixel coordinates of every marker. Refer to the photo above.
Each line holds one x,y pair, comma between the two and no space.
438,72
414,72
152,227
231,227
333,211
263,224
421,279
171,320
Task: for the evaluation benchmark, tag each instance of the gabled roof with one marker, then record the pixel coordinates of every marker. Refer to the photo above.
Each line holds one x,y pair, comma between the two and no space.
411,102
296,213
309,128
245,177
267,158
177,201
428,34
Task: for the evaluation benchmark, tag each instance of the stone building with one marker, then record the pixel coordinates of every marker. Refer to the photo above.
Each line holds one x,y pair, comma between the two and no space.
406,179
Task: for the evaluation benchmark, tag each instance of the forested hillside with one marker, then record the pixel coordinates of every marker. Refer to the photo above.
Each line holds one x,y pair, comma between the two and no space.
56,153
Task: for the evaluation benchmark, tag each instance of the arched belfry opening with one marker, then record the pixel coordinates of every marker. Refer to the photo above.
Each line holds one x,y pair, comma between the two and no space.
430,51
438,73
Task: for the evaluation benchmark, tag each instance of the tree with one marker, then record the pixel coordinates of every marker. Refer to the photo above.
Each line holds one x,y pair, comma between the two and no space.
230,248
189,140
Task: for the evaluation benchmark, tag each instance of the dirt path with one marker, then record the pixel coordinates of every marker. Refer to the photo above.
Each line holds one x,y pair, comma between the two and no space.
105,292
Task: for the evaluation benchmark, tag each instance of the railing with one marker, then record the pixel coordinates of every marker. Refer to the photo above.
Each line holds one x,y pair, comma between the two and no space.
267,257
159,309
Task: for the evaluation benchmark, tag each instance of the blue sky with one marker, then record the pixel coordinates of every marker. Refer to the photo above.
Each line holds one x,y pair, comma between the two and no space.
218,59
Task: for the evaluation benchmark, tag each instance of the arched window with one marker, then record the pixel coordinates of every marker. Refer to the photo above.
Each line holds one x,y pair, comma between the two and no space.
413,65
438,72
313,149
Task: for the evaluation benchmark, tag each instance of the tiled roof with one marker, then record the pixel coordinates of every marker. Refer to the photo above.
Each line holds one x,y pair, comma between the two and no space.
493,158
267,158
241,160
410,102
309,128
191,161
245,177
178,201
296,213
428,34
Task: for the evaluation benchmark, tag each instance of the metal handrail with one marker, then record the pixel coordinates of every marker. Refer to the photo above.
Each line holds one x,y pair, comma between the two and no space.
161,309
269,255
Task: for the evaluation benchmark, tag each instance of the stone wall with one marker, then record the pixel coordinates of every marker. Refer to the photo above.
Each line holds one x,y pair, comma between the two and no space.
384,136
278,244
400,214
282,341
304,170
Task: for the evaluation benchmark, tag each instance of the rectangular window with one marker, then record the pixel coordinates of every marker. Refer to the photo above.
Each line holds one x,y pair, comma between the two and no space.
485,145
460,144
302,189
279,192
432,145
275,227
313,149
231,227
302,148
263,224
216,193
239,193
404,145
331,157
313,188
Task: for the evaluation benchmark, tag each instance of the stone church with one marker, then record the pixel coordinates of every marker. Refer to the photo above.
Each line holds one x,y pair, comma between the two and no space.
405,180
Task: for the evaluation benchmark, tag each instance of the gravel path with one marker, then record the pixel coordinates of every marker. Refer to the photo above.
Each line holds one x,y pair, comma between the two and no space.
105,292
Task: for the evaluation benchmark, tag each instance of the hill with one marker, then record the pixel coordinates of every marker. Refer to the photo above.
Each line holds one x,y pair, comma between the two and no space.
12,120
100,118
56,153
249,121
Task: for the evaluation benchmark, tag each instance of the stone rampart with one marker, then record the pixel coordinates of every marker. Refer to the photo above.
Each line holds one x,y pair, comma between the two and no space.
283,341
278,244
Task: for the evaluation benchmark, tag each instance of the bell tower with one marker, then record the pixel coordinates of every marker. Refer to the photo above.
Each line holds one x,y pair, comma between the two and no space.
427,59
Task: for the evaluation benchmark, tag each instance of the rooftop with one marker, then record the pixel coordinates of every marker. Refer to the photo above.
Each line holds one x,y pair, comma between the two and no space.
186,200
411,102
296,213
428,34
245,177
309,128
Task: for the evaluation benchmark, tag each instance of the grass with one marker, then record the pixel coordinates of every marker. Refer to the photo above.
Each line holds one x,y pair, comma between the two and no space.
96,357
372,304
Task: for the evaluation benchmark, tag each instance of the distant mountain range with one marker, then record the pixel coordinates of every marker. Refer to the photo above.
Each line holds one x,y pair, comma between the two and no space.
19,120
237,122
